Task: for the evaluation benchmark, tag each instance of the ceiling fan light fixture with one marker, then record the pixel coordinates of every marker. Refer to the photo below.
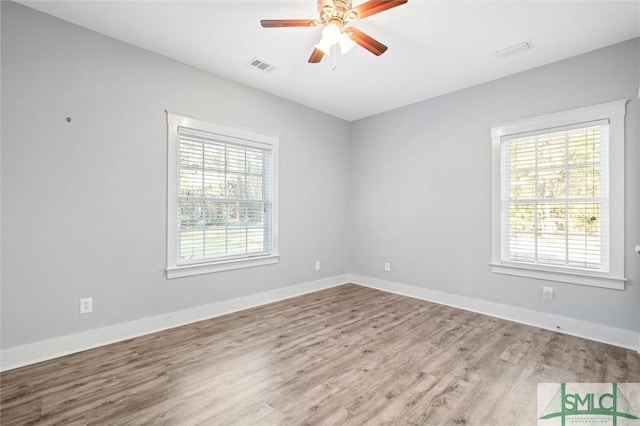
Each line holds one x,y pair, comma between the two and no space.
331,34
346,44
324,46
334,17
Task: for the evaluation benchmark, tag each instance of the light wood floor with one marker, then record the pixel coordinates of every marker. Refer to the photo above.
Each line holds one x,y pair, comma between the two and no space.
348,355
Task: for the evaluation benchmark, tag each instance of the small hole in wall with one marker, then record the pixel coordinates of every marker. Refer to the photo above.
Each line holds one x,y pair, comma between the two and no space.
68,119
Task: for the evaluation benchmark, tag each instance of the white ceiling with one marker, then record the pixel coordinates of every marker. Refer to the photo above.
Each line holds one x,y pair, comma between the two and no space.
435,47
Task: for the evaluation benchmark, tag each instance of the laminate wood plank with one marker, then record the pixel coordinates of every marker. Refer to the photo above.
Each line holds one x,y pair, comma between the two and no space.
348,355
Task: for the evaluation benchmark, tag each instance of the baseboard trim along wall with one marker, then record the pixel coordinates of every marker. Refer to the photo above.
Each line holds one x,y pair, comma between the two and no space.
588,330
20,356
49,349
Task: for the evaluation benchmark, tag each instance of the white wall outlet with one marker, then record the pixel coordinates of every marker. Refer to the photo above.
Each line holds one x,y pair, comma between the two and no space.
387,266
86,305
317,265
547,293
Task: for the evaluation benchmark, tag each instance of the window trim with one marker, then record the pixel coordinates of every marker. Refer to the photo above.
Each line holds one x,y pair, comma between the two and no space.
225,133
615,113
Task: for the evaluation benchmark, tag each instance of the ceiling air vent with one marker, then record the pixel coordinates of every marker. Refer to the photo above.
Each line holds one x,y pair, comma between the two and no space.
512,50
261,65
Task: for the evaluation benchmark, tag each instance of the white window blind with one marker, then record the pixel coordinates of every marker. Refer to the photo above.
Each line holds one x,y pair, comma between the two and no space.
224,199
555,201
557,196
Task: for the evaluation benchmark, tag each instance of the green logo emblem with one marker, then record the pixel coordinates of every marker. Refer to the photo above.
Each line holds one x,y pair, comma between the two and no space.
587,404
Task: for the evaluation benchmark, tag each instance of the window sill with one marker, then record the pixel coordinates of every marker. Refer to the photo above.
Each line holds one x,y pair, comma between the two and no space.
594,280
228,265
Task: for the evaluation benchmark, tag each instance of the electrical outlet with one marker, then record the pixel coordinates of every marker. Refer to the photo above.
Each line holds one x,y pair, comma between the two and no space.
86,305
387,266
317,265
547,293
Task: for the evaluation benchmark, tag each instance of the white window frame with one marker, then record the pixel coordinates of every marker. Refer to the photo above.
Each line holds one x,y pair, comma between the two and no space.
226,133
615,113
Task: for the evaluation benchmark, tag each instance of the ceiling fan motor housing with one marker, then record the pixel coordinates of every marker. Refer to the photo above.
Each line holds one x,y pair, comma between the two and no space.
337,12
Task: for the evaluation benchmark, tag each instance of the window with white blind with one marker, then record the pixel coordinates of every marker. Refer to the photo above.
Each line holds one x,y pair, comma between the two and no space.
558,196
222,204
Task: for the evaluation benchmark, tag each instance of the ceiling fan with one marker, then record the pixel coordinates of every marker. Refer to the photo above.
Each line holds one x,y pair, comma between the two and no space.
336,17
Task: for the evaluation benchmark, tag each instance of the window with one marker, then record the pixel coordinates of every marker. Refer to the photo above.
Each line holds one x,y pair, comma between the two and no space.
222,203
558,196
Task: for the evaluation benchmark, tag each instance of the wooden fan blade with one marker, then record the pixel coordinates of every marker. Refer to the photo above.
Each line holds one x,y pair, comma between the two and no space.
316,56
278,23
375,6
369,43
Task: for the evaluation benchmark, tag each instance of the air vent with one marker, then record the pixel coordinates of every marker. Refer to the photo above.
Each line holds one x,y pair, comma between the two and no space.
510,51
261,65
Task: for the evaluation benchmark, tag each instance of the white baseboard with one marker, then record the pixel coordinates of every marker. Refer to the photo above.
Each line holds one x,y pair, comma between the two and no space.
20,356
601,333
48,349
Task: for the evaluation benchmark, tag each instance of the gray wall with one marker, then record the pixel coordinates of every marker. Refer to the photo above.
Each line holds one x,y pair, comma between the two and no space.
84,203
421,186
